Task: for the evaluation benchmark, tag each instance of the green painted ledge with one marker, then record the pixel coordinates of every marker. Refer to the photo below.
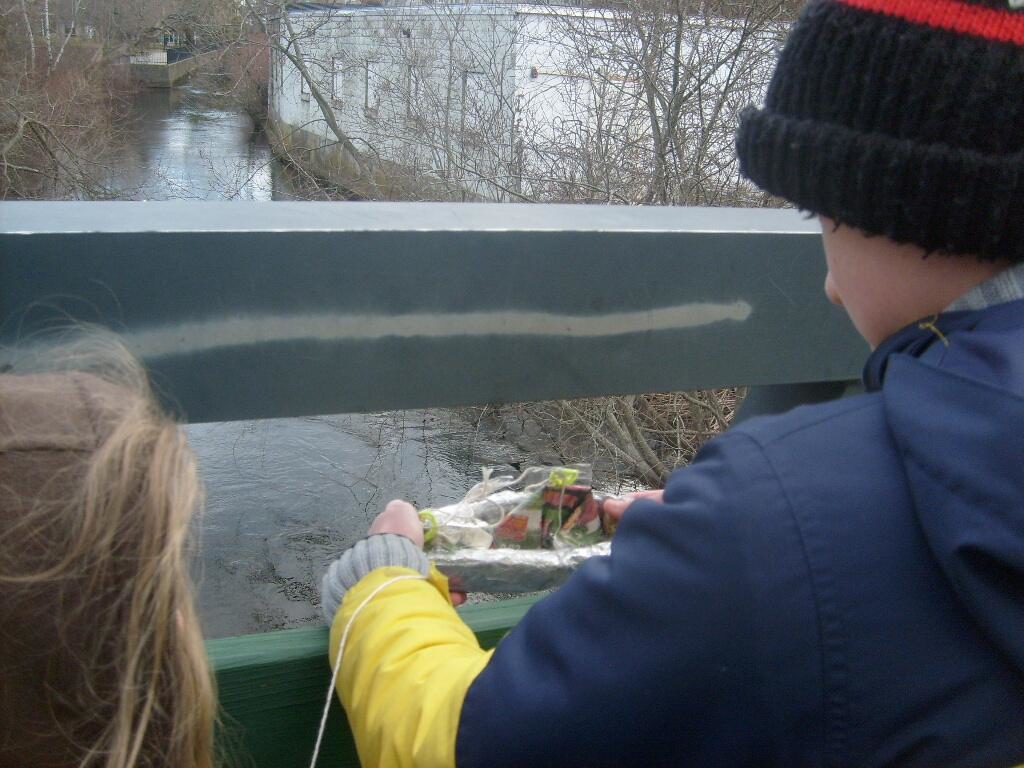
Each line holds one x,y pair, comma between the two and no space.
272,688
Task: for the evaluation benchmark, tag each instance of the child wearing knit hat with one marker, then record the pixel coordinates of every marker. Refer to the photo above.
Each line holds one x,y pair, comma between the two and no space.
840,585
102,662
902,119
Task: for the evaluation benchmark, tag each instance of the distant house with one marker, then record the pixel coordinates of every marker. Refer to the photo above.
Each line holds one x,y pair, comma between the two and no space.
470,101
165,56
84,31
155,44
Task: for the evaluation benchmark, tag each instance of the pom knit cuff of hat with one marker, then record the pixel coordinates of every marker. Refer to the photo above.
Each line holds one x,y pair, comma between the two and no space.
904,118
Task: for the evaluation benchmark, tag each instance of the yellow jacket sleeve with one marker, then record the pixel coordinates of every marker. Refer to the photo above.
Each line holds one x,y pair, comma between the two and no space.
407,664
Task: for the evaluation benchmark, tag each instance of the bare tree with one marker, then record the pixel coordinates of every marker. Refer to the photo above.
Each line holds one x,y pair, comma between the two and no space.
660,85
59,118
263,31
64,93
633,103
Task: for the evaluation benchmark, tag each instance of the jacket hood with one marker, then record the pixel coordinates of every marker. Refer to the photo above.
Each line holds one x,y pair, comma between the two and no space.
954,400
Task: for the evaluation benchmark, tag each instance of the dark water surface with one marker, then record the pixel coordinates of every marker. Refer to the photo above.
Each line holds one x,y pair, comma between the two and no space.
188,143
284,496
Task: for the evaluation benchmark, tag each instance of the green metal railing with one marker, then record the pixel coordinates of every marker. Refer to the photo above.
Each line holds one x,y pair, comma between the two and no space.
283,309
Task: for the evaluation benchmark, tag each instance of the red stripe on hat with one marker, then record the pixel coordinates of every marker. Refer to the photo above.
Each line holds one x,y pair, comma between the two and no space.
1002,26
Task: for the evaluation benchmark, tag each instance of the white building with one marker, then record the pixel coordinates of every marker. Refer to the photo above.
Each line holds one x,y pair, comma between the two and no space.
496,101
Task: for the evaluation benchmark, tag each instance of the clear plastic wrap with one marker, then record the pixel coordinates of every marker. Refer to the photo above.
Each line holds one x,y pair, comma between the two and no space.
519,534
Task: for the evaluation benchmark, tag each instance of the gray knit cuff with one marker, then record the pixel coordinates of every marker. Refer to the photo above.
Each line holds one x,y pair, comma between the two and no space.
377,551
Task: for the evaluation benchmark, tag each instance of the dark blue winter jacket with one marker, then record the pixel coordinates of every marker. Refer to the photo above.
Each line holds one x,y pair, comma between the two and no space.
842,585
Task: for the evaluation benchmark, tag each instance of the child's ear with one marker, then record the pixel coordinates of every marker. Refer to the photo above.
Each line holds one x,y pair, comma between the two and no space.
831,291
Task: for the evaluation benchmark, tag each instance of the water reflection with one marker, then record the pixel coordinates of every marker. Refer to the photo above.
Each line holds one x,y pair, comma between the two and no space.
190,143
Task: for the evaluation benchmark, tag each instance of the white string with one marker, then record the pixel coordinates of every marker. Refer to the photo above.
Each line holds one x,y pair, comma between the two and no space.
341,649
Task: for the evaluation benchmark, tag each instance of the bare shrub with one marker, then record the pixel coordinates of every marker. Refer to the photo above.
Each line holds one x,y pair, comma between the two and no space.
59,129
635,439
244,66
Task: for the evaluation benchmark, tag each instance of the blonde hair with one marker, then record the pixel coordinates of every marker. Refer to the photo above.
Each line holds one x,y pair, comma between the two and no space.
102,664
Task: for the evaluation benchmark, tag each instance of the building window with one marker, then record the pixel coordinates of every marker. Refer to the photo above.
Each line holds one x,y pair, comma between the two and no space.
338,80
412,90
474,88
303,83
475,118
374,85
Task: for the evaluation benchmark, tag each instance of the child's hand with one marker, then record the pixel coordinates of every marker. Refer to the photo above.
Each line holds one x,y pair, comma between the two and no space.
399,517
402,518
616,507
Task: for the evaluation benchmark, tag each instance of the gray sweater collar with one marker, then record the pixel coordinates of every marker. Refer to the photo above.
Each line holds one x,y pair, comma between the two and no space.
1006,286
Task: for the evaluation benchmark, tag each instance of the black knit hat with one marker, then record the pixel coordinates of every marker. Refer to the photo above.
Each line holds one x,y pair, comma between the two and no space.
903,118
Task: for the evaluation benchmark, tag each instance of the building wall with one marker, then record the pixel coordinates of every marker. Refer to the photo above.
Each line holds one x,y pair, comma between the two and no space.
502,102
427,92
150,57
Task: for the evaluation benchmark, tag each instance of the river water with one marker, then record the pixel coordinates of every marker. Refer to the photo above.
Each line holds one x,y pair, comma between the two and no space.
189,143
284,496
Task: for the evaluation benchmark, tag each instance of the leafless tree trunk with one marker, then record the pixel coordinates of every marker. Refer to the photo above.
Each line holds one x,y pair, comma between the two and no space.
31,36
293,51
75,7
46,36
